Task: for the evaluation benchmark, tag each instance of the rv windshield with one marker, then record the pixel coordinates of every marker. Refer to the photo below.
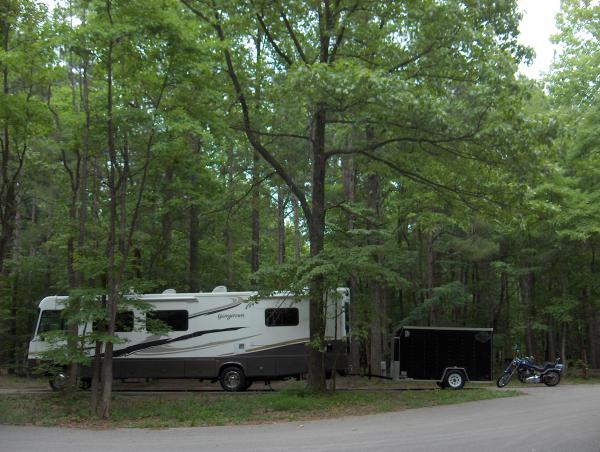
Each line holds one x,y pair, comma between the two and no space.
51,320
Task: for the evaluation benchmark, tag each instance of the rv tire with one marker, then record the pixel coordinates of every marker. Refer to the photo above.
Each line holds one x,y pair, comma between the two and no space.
232,379
58,381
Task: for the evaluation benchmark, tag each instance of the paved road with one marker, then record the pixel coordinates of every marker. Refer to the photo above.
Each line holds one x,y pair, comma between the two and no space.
560,419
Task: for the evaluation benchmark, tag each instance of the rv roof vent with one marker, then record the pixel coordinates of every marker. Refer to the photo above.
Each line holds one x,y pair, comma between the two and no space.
169,291
220,289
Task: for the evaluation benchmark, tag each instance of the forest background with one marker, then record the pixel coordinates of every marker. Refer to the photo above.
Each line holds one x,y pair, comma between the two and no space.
392,149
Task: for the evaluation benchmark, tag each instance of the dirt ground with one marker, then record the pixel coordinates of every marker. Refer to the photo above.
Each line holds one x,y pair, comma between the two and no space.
349,382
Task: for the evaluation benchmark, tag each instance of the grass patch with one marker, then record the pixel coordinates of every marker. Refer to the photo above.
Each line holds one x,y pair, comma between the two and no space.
185,410
14,382
579,380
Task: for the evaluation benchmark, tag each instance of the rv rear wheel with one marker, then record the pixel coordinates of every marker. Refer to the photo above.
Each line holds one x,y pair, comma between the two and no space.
232,379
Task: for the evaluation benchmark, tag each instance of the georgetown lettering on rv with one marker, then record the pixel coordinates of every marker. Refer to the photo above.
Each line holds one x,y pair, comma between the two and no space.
230,316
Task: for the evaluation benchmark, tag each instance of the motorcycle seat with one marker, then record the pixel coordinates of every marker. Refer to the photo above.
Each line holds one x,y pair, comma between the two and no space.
543,367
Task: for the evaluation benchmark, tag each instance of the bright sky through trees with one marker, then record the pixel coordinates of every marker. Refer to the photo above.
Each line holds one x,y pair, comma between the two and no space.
537,25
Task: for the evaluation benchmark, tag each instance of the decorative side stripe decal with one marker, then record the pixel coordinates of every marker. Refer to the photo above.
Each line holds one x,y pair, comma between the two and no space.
144,345
172,351
278,345
215,310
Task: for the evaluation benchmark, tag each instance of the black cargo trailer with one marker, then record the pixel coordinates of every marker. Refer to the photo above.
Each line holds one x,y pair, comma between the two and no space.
450,356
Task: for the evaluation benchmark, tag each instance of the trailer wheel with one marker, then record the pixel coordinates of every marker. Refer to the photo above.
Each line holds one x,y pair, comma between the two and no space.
232,379
454,380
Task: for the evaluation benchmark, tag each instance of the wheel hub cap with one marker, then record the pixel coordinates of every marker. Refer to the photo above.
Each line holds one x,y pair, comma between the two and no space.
454,380
232,379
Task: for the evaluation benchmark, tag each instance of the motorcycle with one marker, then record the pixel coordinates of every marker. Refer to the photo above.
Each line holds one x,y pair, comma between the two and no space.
529,372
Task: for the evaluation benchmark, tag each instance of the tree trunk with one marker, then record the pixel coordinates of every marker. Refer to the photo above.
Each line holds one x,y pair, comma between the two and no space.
77,215
9,177
194,228
316,356
592,333
593,321
504,283
349,178
8,201
432,275
111,304
194,237
83,181
527,283
13,277
228,236
82,198
255,217
563,342
255,203
281,202
378,311
96,369
551,343
297,232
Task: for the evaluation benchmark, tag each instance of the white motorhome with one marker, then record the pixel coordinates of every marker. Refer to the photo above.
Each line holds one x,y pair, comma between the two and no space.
229,336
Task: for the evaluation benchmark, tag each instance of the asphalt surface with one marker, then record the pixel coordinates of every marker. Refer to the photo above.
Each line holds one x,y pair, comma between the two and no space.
559,419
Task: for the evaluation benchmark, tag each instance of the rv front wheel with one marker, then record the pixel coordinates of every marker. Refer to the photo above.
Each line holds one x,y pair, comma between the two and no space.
58,381
233,379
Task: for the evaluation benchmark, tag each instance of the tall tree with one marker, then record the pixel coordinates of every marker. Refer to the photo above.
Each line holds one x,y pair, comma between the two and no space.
419,92
25,66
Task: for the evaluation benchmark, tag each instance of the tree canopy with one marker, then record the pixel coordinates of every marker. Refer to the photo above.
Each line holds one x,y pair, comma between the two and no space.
391,148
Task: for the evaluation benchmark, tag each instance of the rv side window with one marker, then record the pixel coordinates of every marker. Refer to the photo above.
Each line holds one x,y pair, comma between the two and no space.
281,317
51,321
123,322
175,320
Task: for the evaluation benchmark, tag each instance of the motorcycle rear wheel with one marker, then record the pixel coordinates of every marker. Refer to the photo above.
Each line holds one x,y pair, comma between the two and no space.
551,378
503,379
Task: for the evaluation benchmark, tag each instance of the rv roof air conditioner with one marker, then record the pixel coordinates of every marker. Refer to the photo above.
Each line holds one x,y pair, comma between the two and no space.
169,291
220,289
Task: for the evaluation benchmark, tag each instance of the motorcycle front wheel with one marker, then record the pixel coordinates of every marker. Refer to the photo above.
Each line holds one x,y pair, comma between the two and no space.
504,379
